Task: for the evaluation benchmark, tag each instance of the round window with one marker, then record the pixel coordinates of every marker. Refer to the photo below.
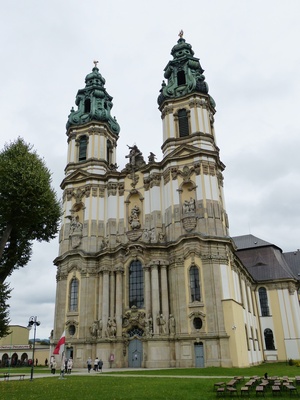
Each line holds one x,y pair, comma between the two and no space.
72,330
197,323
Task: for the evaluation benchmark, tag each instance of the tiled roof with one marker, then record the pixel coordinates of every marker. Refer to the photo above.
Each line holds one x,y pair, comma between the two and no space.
263,260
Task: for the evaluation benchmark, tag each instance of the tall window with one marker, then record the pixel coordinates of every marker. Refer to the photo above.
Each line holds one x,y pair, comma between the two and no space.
87,105
181,78
269,339
195,284
108,151
183,123
73,297
82,148
263,299
136,284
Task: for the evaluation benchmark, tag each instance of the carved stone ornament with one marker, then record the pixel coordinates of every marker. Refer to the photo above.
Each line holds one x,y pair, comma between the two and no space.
134,235
133,317
189,223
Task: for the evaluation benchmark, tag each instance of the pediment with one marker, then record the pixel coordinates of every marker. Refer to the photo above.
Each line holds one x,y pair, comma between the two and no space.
76,176
184,151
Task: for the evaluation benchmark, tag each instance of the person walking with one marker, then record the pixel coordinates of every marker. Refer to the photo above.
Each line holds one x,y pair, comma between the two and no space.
100,365
89,364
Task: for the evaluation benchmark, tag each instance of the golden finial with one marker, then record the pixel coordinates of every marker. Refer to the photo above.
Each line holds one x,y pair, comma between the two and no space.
95,62
180,34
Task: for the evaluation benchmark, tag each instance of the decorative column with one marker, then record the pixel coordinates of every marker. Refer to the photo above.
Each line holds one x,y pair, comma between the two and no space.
155,296
112,294
164,292
147,290
119,296
105,299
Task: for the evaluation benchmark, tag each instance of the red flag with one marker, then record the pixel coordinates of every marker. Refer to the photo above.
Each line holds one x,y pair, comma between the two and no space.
61,344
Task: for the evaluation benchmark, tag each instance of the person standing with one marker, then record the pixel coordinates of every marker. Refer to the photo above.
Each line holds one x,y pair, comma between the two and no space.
96,364
70,365
100,365
89,364
53,366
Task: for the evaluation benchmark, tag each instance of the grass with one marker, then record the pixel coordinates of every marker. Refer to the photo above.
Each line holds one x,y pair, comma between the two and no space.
175,384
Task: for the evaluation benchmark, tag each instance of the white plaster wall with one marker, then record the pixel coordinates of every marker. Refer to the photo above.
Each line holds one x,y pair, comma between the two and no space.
112,207
208,194
201,119
94,208
193,119
167,198
286,314
101,209
102,152
155,198
199,191
147,202
206,121
214,188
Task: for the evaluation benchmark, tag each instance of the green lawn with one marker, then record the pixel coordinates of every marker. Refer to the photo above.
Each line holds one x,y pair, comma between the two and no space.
147,386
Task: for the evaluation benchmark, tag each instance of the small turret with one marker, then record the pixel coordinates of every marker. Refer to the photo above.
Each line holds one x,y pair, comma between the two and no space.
94,103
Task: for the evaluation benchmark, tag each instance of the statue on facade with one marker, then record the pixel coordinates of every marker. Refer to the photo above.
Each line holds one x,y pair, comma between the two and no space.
148,326
151,157
161,322
75,225
134,218
94,329
189,206
172,325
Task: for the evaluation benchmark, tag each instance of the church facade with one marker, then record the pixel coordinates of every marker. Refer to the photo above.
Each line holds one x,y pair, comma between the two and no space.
147,273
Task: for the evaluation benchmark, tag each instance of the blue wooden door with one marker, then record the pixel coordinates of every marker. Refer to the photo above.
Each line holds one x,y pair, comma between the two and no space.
135,353
199,355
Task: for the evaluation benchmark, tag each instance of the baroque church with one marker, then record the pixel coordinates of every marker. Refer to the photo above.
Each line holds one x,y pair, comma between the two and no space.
147,273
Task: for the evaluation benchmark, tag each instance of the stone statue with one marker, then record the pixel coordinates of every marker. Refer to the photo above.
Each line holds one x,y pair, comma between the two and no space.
75,225
133,154
161,322
172,325
134,218
94,329
151,157
189,206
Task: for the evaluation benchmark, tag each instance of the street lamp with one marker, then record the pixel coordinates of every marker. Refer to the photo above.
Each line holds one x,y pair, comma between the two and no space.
33,322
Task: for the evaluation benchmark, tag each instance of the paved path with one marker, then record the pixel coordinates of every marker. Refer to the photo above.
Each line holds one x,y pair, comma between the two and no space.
106,373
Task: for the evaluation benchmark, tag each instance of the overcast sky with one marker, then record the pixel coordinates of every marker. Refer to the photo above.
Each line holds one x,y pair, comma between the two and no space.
250,53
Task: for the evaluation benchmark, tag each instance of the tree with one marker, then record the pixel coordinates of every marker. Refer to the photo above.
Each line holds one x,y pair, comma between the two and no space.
4,309
29,209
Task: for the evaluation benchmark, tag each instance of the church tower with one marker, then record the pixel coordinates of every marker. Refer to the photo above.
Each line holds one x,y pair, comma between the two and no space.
146,272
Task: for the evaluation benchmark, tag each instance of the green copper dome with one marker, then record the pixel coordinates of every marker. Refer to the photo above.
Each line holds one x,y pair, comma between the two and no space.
94,103
184,74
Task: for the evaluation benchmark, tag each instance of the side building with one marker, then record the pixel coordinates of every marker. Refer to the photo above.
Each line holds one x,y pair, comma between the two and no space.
147,273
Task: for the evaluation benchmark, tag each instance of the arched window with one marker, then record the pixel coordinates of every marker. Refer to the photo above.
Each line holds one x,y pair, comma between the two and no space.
269,339
136,284
73,295
82,148
263,299
183,123
195,284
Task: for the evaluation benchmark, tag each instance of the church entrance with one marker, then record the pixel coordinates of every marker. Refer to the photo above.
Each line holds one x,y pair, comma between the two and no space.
199,355
135,353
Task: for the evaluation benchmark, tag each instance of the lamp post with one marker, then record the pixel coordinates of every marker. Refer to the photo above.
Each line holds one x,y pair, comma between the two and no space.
33,322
